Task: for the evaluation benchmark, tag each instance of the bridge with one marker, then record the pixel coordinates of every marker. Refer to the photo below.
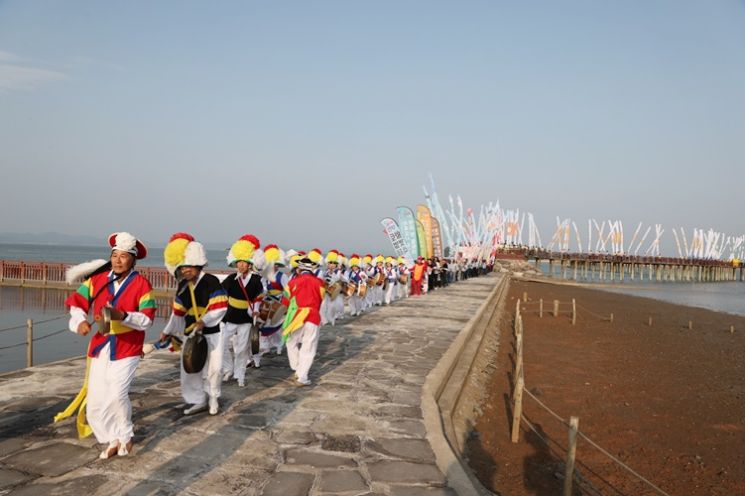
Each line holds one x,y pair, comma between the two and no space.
609,268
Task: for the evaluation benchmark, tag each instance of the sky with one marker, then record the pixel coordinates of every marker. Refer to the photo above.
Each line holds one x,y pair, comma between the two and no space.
306,123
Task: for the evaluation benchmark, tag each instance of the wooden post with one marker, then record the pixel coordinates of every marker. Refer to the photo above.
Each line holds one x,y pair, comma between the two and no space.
556,308
571,454
517,308
29,343
525,296
540,308
611,317
574,311
517,409
690,325
649,322
519,356
731,329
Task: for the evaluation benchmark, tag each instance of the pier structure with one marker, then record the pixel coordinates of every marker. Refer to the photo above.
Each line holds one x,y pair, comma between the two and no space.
620,268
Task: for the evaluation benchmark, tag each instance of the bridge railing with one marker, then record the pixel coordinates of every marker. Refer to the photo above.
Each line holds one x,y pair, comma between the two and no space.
52,274
639,259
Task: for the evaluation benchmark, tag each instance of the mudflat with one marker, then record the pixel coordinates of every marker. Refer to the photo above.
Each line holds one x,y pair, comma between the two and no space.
666,400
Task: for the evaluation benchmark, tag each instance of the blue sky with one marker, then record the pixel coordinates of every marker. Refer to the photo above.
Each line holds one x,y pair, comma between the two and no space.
305,123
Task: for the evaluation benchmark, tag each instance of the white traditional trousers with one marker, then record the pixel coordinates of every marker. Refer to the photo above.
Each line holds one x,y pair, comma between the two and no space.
195,387
301,349
390,293
108,409
240,334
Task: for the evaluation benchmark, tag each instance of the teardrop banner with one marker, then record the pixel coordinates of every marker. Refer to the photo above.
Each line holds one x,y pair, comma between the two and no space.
394,235
422,240
436,238
407,226
424,216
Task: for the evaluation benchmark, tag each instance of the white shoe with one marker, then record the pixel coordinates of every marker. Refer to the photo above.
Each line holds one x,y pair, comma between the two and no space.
241,383
199,407
302,383
111,450
214,405
226,376
279,351
125,449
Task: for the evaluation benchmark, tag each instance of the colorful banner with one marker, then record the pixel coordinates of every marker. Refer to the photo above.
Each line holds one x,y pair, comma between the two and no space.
422,240
407,226
436,238
397,240
424,216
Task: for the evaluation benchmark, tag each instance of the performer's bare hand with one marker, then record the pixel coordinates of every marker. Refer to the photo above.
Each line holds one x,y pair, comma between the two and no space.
199,325
163,337
84,328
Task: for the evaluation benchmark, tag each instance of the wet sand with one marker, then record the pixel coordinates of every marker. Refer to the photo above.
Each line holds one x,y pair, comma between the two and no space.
667,401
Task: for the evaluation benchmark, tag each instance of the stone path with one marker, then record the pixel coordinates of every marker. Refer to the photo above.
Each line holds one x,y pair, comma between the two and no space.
357,430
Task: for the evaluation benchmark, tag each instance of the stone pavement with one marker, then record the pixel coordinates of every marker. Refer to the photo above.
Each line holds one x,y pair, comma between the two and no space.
358,430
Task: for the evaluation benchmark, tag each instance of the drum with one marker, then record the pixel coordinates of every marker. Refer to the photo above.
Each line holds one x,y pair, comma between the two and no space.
268,308
361,290
194,355
333,290
350,288
379,279
403,278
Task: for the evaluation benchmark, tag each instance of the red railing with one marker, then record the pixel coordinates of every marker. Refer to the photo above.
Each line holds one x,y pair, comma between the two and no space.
53,274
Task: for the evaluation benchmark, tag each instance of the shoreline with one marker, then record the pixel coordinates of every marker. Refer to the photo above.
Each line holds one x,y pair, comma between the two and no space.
626,290
666,400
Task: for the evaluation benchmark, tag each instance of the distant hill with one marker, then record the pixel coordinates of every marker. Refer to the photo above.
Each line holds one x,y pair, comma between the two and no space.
49,238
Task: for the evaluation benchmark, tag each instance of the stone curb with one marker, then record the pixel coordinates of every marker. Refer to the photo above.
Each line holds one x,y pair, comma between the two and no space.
459,475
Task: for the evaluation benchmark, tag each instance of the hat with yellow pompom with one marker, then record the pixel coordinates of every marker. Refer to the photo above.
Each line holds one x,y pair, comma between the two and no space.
244,250
183,250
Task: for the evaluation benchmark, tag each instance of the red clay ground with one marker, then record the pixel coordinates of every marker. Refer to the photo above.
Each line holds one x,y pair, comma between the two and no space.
668,401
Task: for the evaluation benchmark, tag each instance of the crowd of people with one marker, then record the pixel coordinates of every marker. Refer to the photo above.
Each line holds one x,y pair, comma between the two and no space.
275,299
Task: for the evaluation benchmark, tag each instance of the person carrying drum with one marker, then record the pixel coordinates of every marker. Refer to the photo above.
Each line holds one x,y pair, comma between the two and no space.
391,281
244,289
198,308
333,279
124,307
303,298
357,280
271,312
403,278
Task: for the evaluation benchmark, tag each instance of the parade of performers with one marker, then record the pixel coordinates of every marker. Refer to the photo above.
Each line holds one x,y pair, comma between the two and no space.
215,318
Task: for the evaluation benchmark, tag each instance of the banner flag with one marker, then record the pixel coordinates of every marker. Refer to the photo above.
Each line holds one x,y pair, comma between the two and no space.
397,240
407,226
422,240
424,216
436,238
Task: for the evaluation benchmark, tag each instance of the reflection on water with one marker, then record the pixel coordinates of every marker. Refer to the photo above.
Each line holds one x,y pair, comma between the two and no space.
19,304
726,297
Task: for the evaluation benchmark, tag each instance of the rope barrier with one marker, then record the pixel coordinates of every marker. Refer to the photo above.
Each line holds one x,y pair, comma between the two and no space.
34,340
595,445
51,334
23,326
12,346
578,475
